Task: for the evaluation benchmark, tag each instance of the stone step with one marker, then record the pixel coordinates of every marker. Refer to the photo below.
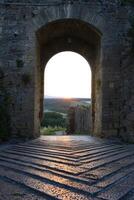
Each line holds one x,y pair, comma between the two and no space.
40,184
99,153
47,170
59,152
55,178
42,153
109,159
108,169
41,157
129,196
119,189
9,190
103,155
55,150
73,170
114,177
83,152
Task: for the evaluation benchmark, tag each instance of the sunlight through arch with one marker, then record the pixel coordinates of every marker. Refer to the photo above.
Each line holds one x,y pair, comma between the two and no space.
67,75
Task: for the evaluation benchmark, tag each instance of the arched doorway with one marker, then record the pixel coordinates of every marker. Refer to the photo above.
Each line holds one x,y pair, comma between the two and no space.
67,87
67,75
69,35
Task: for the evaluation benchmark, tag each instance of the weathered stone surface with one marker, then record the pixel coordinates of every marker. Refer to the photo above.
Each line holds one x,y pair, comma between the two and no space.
31,32
52,168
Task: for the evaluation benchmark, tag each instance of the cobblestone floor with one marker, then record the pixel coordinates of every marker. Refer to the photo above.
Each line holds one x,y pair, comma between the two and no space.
67,167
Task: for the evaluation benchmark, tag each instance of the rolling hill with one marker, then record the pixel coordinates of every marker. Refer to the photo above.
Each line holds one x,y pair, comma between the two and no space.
61,105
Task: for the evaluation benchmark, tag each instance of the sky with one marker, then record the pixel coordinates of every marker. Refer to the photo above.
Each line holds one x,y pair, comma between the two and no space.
67,75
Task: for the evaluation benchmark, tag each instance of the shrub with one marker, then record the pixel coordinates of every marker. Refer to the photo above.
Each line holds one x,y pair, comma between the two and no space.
53,119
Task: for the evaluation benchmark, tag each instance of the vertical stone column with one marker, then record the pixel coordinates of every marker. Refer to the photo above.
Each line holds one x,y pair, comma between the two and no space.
18,70
111,89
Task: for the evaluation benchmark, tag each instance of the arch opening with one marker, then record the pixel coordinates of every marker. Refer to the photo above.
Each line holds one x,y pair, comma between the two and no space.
67,95
67,75
75,36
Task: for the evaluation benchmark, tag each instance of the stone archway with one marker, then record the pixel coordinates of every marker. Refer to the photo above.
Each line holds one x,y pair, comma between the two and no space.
70,35
97,30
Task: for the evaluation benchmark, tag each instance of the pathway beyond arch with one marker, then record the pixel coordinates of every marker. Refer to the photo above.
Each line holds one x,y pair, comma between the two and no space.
67,167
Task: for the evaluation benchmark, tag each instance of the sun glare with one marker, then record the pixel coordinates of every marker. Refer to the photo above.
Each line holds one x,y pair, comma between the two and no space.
67,75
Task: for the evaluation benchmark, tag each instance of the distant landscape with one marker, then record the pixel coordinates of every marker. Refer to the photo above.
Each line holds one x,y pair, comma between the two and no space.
62,105
55,113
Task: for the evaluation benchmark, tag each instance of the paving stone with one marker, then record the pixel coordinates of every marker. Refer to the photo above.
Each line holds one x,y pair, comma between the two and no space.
106,181
99,153
39,173
44,163
111,168
44,157
12,191
118,190
111,158
129,195
96,149
75,183
40,152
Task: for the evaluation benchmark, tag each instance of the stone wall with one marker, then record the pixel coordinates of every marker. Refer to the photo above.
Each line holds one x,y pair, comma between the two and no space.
79,120
31,32
4,115
127,83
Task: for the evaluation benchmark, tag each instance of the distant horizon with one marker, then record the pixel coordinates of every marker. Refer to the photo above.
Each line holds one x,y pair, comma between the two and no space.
57,97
